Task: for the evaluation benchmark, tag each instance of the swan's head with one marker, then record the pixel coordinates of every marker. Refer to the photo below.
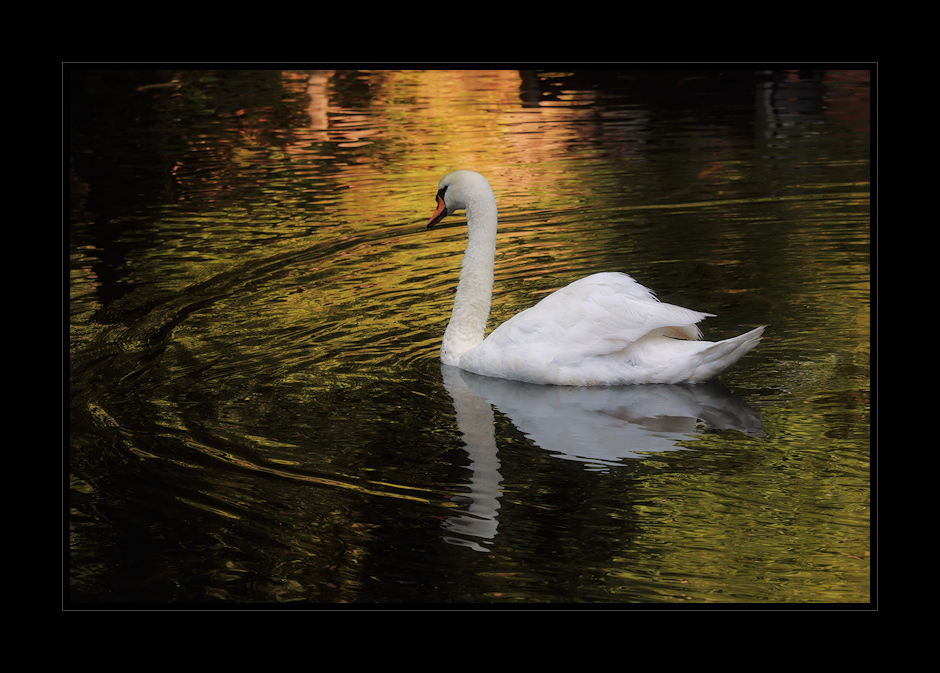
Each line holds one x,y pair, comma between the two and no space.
455,191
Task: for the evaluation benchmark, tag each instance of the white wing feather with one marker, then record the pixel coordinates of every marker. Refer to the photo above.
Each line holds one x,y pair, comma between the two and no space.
594,316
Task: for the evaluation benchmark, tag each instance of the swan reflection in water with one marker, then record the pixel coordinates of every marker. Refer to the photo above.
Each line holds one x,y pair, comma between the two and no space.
598,426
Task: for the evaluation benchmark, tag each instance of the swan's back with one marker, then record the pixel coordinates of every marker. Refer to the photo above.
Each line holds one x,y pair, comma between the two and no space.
584,334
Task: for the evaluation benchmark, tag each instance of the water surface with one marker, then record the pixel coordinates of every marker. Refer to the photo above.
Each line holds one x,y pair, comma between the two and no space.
257,412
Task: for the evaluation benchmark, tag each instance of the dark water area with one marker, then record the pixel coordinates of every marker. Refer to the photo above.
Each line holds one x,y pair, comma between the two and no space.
257,413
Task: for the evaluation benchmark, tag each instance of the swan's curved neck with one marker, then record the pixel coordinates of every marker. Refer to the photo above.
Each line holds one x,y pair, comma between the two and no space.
475,288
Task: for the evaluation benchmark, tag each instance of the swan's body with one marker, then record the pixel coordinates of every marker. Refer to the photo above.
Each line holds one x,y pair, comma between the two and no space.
605,329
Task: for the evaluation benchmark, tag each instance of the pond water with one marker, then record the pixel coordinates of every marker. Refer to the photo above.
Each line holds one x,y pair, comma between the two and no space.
257,410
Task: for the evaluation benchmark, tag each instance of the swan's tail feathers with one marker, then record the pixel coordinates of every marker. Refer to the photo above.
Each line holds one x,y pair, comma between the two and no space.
721,355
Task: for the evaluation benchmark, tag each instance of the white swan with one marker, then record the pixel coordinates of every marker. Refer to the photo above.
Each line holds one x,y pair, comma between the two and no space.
605,329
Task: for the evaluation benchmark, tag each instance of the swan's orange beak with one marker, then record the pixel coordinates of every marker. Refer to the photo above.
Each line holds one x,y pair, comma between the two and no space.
439,213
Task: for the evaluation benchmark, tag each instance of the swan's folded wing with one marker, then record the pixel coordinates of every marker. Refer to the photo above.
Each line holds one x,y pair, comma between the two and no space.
594,316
